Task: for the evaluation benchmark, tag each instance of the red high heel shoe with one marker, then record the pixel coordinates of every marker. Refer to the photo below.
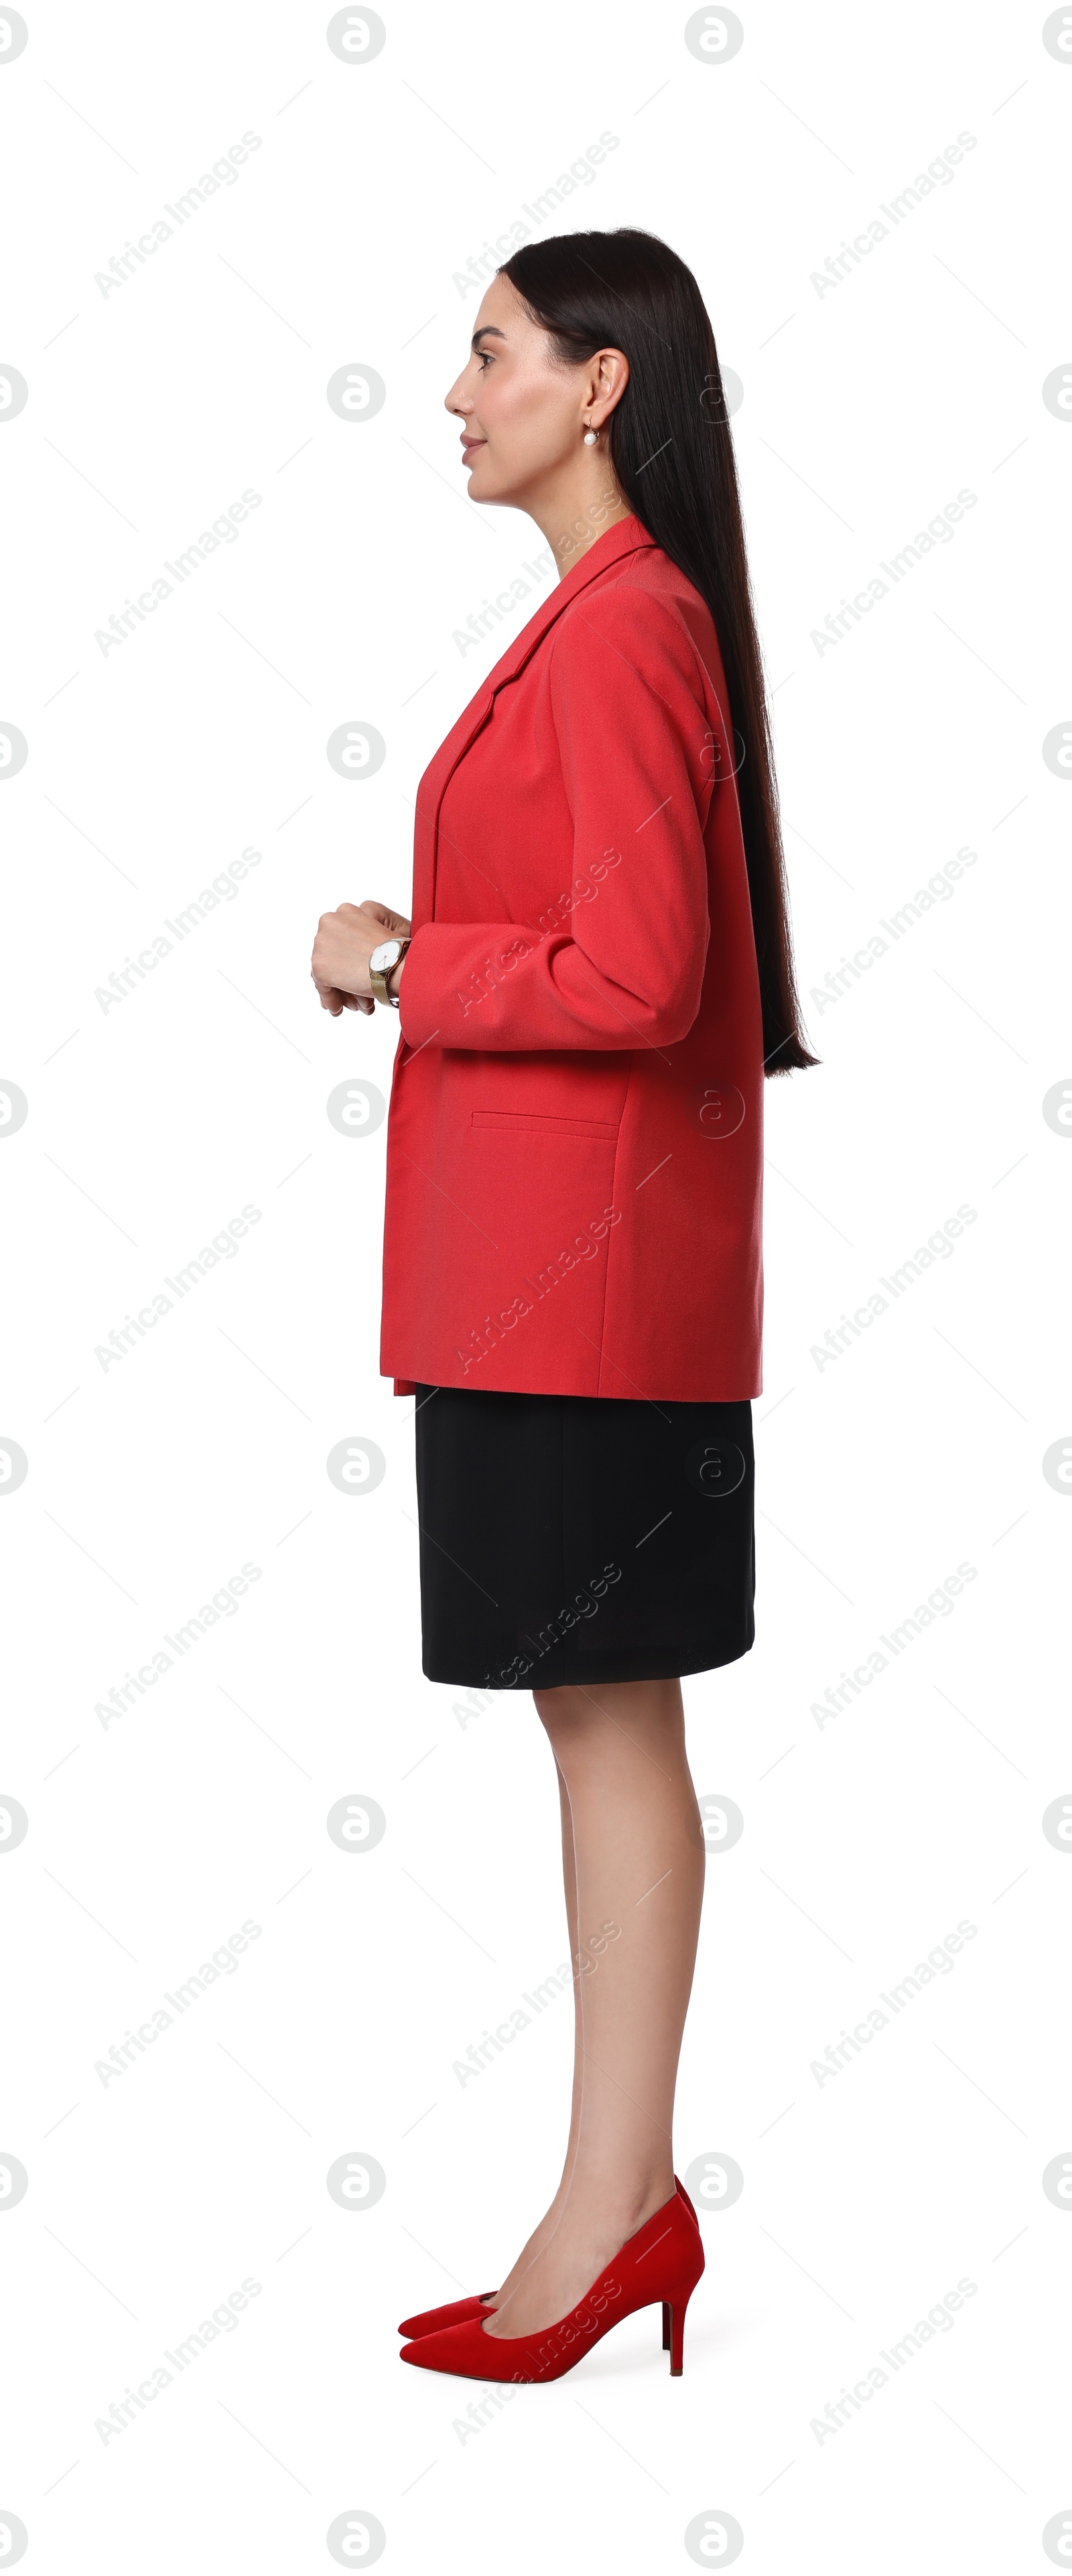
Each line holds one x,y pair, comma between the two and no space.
457,2312
460,2312
633,2279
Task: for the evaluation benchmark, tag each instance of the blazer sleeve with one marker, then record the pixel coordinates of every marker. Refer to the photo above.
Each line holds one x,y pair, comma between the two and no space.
623,967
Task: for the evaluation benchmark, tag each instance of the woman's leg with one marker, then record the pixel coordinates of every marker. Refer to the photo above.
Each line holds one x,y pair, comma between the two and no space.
548,2222
639,1864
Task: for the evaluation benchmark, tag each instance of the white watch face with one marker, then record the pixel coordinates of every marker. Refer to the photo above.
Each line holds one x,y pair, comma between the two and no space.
385,956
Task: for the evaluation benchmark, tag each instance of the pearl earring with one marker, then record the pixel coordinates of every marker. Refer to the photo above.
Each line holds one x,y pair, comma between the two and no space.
591,436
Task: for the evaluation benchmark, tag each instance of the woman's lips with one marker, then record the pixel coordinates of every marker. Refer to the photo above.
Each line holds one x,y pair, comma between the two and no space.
470,446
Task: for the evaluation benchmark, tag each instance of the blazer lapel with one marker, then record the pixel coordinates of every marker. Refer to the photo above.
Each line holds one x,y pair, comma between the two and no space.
617,541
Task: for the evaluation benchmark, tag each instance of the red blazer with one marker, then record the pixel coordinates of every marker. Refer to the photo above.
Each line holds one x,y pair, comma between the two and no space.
574,1150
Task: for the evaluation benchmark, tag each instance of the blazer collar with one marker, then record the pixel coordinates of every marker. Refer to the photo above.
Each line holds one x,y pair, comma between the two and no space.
624,538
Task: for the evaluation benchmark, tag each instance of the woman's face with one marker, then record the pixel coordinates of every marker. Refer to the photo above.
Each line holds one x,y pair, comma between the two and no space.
523,413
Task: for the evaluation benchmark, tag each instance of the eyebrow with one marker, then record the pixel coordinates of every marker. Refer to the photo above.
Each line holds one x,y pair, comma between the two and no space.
488,332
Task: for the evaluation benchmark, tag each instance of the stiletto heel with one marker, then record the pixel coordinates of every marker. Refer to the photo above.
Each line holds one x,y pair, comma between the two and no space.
666,2325
634,2279
676,2339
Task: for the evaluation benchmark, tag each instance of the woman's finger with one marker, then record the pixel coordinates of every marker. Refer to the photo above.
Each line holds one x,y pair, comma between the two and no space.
383,913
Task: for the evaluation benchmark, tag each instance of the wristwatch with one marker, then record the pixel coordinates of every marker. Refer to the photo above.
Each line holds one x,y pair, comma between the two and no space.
382,963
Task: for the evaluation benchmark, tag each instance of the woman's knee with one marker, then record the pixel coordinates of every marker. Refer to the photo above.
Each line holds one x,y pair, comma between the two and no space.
566,1713
551,1705
582,1725
579,1714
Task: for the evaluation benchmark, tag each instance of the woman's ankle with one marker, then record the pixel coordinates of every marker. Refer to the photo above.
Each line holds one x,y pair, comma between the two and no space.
623,2201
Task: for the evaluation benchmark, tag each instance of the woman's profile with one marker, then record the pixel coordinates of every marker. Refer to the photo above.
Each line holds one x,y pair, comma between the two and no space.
596,980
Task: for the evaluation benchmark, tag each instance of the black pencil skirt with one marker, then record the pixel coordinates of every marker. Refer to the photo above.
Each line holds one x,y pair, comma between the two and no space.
576,1538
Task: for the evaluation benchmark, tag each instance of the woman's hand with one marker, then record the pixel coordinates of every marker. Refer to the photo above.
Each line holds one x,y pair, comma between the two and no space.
341,950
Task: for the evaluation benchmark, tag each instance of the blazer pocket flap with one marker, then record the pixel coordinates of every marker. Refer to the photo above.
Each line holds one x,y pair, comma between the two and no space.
522,1122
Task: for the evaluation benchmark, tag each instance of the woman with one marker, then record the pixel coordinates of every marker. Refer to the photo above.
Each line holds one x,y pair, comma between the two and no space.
597,976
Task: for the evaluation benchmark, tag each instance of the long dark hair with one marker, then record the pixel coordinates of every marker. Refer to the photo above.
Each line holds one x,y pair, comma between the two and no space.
671,451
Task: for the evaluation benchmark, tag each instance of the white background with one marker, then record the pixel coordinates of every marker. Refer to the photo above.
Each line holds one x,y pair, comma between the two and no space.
152,1481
